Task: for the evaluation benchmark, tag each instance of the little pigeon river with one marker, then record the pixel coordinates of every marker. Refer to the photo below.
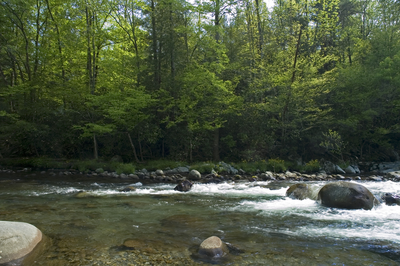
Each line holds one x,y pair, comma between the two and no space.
89,221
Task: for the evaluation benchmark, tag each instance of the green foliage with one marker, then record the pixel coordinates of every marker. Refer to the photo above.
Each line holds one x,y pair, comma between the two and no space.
333,143
39,163
203,167
126,168
312,166
160,164
276,165
156,79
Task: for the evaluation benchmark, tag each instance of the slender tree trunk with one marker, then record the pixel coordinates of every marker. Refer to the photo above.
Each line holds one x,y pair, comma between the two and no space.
140,148
190,151
133,148
286,107
260,31
163,148
216,157
95,152
60,51
217,37
89,66
154,44
172,46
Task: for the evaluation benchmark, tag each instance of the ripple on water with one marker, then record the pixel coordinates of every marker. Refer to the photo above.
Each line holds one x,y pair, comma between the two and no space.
169,225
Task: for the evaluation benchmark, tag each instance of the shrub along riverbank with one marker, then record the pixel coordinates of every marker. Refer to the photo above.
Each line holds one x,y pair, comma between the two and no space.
116,165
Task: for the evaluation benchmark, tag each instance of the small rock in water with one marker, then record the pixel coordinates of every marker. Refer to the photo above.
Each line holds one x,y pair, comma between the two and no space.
128,189
391,199
213,247
302,191
184,186
375,178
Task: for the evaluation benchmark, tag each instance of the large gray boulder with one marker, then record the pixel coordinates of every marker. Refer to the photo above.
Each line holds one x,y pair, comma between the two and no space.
17,240
332,168
302,191
350,170
194,175
347,195
213,247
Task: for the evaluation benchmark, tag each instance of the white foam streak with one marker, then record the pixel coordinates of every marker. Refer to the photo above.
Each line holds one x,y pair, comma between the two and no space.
380,187
236,189
388,232
278,206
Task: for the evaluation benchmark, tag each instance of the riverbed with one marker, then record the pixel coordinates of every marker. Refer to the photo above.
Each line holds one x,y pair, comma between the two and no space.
89,221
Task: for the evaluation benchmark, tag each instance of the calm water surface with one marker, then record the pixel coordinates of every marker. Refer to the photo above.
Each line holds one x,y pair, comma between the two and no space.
156,225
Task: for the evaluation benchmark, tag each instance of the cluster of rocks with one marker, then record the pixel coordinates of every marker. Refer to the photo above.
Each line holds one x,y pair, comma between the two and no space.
341,194
380,172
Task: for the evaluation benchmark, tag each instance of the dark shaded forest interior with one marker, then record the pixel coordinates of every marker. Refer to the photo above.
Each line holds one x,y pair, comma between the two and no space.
200,81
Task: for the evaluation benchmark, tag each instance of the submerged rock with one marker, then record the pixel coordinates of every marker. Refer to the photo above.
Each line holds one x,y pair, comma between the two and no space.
184,186
302,191
17,240
83,194
213,247
128,189
391,199
347,195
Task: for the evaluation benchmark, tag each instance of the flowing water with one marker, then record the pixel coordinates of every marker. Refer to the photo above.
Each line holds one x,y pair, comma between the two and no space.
156,225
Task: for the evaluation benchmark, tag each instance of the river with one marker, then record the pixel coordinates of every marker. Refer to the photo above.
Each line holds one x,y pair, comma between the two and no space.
155,225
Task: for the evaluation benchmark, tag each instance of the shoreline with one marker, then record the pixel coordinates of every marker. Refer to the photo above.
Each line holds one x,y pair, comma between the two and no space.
161,177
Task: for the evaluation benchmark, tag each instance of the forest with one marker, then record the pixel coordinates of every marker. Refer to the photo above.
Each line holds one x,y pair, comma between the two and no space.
202,80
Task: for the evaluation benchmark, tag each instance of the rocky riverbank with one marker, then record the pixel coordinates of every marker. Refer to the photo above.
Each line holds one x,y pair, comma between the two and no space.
378,172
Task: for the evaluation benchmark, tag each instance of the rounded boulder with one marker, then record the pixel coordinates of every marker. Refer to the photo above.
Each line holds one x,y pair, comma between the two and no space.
213,247
17,239
347,195
194,175
302,191
184,186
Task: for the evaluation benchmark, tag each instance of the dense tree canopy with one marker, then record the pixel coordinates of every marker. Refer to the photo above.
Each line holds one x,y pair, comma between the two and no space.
200,80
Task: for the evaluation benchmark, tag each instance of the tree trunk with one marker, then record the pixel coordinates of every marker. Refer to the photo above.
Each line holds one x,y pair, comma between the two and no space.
140,149
286,107
133,148
260,31
216,157
163,148
89,52
58,41
154,44
190,151
96,154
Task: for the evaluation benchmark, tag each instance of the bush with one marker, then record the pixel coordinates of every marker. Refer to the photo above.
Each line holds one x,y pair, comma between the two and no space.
312,166
126,168
276,165
161,164
203,168
252,167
